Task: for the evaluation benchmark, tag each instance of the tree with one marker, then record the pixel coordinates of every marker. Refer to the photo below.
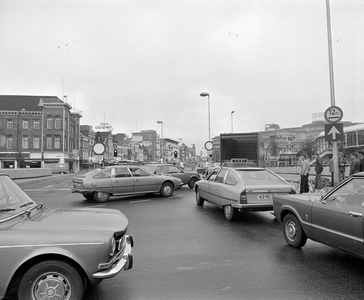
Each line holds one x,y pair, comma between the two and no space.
273,147
307,147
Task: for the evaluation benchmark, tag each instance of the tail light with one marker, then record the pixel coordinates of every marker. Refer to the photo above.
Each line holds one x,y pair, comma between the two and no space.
243,199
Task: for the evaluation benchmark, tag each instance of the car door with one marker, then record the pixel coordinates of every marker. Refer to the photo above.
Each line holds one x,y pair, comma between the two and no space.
337,220
144,181
230,190
176,172
215,187
122,181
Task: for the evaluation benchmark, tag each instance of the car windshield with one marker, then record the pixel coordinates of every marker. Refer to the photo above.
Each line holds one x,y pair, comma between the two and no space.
149,168
11,196
259,177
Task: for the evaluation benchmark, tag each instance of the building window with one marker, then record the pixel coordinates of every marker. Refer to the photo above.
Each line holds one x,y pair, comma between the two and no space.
24,142
36,142
36,125
351,139
25,124
360,137
49,142
57,142
49,123
57,123
296,149
9,142
9,124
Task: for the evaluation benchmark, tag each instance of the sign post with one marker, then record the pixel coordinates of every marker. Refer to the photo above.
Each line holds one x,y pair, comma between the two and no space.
334,132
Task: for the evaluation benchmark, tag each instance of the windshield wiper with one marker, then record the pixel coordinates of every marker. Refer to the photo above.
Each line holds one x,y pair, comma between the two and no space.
7,209
27,203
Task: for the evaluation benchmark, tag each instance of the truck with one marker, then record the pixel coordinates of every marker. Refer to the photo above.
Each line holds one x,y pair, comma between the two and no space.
242,147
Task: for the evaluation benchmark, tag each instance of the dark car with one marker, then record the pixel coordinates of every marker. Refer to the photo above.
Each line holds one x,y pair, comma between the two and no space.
53,252
100,184
334,219
188,178
241,188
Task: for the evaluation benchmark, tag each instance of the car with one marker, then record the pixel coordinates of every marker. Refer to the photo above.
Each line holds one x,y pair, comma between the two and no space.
53,252
188,178
236,189
58,168
101,183
334,218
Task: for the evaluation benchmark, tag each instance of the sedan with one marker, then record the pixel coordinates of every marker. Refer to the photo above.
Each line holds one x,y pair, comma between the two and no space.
334,219
100,184
188,178
241,188
54,253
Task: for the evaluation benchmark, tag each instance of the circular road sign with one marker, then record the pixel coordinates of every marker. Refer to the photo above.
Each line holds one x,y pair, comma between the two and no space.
99,148
209,145
333,114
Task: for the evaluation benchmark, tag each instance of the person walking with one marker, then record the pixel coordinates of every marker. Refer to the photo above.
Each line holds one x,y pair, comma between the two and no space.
304,173
361,157
355,163
318,170
331,168
342,164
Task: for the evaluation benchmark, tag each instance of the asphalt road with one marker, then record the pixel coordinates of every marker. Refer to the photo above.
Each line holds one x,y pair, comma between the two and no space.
183,251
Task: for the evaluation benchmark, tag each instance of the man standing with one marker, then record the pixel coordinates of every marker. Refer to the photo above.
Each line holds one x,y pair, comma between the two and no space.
342,164
304,173
331,167
361,157
318,169
355,163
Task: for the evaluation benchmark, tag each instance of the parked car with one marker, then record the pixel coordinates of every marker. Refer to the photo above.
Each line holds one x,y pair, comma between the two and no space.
188,178
100,184
58,168
334,219
241,188
52,252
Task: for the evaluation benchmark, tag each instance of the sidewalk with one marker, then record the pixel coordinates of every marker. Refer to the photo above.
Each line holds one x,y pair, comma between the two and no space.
28,181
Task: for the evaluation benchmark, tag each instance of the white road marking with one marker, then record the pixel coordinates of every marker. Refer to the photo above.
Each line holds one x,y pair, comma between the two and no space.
138,201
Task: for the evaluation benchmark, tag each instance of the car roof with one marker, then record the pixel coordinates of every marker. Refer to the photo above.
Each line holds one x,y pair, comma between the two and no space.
360,174
238,164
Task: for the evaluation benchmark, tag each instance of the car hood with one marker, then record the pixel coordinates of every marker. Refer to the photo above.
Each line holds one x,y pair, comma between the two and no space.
66,219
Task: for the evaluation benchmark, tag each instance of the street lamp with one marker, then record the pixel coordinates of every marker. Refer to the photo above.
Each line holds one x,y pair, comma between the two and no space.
160,140
232,128
204,94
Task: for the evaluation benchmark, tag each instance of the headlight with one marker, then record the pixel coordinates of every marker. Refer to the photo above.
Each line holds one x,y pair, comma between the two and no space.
113,246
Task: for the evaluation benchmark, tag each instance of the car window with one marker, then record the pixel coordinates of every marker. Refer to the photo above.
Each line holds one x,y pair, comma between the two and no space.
138,172
122,172
160,170
103,174
231,179
173,169
352,193
259,177
220,176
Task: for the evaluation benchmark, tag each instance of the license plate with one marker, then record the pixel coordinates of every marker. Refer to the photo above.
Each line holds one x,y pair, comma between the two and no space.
265,196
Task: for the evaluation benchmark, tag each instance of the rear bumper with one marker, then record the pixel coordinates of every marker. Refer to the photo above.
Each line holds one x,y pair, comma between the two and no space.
254,206
124,261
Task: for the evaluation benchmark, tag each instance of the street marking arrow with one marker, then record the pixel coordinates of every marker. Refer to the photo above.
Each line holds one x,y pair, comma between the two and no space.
334,131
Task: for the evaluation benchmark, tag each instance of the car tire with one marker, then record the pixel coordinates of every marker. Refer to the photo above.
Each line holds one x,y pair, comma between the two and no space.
191,182
293,232
101,197
50,279
230,213
167,189
199,200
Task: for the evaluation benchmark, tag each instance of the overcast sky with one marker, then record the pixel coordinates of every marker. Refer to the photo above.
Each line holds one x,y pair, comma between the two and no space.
133,62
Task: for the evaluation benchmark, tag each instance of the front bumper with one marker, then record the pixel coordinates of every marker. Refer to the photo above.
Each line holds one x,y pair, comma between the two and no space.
123,261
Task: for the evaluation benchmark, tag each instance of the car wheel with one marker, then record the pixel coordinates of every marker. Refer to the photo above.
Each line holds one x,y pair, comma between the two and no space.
231,213
89,196
51,280
293,232
101,196
191,182
199,199
167,189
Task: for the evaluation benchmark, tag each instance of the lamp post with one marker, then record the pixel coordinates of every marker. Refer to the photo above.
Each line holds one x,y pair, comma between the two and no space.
232,128
204,94
160,141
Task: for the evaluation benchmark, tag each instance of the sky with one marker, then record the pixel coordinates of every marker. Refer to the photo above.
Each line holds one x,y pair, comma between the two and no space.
131,63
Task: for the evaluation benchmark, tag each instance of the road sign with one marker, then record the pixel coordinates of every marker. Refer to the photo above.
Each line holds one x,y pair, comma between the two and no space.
209,145
334,132
333,114
99,148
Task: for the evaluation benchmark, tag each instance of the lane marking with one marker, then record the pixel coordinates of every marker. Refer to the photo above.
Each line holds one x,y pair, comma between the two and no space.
139,201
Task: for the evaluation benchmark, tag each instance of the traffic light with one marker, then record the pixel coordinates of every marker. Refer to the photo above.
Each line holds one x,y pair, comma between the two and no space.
115,152
175,154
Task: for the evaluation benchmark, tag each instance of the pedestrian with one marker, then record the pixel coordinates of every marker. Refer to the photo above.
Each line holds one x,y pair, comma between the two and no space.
331,168
318,169
342,162
304,173
361,157
355,163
